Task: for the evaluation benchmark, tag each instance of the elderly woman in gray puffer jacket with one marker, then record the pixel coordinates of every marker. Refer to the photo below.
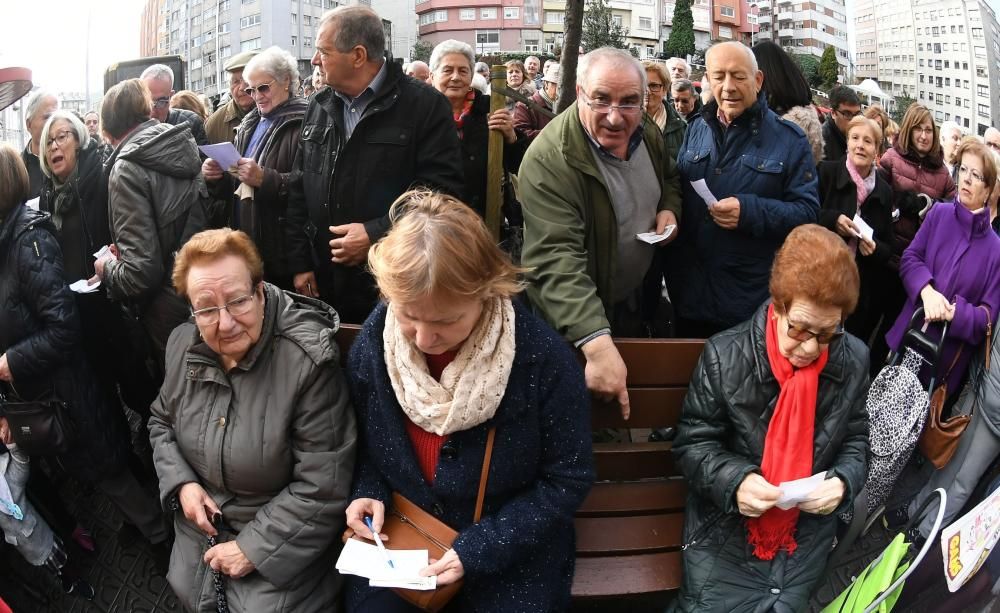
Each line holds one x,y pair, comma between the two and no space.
253,436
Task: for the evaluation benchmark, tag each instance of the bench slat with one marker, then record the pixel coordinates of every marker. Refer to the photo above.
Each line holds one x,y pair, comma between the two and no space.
659,361
606,577
650,407
636,498
637,534
633,461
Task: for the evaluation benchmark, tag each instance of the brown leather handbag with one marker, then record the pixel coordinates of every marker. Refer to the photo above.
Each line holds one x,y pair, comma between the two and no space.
410,527
940,437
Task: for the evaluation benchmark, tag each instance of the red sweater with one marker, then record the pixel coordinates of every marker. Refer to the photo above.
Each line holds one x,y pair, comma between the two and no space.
427,445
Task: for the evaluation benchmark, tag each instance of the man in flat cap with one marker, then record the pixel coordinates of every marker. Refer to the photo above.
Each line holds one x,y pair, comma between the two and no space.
221,125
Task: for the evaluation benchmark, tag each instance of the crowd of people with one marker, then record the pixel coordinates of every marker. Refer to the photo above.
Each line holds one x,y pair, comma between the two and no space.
800,245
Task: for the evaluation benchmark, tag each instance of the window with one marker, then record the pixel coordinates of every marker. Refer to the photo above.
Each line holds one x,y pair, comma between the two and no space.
984,110
295,41
490,13
617,20
487,38
250,21
554,17
329,4
250,45
511,12
248,1
531,44
467,14
196,41
209,35
223,27
307,20
983,90
195,63
225,51
727,11
725,32
196,21
295,19
307,41
224,5
210,80
645,23
440,15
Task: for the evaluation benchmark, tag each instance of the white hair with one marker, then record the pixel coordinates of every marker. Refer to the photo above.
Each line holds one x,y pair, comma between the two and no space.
679,60
990,131
609,55
278,63
449,46
948,127
480,83
158,71
36,103
80,131
751,58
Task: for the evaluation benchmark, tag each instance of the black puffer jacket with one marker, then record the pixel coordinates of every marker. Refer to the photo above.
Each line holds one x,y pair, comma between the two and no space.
156,201
720,441
40,334
406,138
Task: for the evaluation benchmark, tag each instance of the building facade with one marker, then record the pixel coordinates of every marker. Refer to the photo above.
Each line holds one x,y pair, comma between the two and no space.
945,54
528,25
206,33
805,26
403,16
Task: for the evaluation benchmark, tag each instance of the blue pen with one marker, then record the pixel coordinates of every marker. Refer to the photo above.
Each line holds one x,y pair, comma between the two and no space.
378,541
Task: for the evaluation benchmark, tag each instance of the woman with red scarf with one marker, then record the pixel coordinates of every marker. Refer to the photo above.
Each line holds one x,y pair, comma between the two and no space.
773,400
452,64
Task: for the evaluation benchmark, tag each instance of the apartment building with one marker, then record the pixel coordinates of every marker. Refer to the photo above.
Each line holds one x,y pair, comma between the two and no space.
403,16
491,26
805,27
945,54
206,33
701,14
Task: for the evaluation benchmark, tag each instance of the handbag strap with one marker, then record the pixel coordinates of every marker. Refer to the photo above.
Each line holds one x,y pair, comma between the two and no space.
481,496
989,334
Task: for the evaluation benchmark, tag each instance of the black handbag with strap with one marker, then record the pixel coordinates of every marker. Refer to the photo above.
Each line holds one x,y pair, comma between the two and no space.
38,427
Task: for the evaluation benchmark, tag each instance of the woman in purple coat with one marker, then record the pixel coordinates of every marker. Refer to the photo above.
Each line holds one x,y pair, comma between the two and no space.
952,267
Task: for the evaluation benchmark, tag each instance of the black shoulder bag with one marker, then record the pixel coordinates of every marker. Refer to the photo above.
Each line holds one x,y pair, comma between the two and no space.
39,427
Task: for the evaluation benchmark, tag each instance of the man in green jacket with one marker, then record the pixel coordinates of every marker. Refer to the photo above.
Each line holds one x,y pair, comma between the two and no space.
597,176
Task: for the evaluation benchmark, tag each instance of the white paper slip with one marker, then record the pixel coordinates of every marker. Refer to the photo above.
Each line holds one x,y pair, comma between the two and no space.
794,492
364,560
702,190
105,252
33,203
81,286
225,154
864,230
652,237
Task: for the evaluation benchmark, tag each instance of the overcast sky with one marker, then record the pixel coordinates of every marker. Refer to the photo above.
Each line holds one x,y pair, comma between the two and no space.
50,38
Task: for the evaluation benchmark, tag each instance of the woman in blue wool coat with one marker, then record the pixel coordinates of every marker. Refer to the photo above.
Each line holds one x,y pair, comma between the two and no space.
447,357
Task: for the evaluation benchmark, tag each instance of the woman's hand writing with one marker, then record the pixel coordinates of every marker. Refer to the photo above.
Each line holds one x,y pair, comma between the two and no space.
756,496
229,559
826,498
198,507
366,507
936,306
448,569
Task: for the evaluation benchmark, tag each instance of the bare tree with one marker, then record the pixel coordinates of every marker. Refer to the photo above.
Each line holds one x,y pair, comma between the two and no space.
573,27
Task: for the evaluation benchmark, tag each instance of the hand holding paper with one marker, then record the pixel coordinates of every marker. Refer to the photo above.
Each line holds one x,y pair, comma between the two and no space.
652,237
799,490
701,188
224,154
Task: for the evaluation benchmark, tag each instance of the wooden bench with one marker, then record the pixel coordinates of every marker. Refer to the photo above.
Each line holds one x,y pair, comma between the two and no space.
630,528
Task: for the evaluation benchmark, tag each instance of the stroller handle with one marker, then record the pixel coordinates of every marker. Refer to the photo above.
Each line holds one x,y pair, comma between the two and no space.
915,339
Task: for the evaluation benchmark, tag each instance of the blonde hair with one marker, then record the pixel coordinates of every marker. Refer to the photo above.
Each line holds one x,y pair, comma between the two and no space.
440,246
974,147
915,115
189,101
871,124
211,245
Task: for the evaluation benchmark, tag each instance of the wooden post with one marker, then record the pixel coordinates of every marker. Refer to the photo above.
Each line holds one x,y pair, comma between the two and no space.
494,163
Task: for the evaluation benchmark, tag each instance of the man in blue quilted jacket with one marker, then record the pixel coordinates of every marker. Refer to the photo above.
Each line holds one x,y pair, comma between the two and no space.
760,169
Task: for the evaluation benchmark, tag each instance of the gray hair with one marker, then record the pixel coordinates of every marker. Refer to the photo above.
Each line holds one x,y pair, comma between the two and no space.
161,72
482,66
449,46
36,102
950,126
682,85
356,25
278,63
608,55
81,133
751,58
532,57
679,60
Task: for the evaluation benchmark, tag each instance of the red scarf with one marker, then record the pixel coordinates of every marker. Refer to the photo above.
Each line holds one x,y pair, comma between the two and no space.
788,446
466,109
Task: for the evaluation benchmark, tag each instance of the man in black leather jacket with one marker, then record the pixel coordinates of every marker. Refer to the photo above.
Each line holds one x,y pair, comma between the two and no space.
371,135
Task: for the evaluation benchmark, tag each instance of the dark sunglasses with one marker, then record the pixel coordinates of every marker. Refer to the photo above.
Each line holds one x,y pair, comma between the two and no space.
260,89
803,334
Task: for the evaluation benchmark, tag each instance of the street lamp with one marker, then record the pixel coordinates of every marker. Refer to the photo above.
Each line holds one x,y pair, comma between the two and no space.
753,18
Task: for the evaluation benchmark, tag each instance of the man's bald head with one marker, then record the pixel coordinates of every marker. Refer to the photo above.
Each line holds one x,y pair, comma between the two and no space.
733,76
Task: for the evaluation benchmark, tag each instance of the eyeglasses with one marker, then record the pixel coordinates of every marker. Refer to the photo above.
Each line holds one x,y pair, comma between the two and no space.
803,334
260,89
848,114
974,175
59,139
655,87
160,103
919,130
209,316
603,108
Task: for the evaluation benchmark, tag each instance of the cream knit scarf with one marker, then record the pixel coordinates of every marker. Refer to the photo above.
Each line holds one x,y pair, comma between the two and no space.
471,387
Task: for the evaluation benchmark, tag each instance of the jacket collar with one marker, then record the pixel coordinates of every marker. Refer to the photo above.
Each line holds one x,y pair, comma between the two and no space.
234,112
974,225
835,366
751,119
333,105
